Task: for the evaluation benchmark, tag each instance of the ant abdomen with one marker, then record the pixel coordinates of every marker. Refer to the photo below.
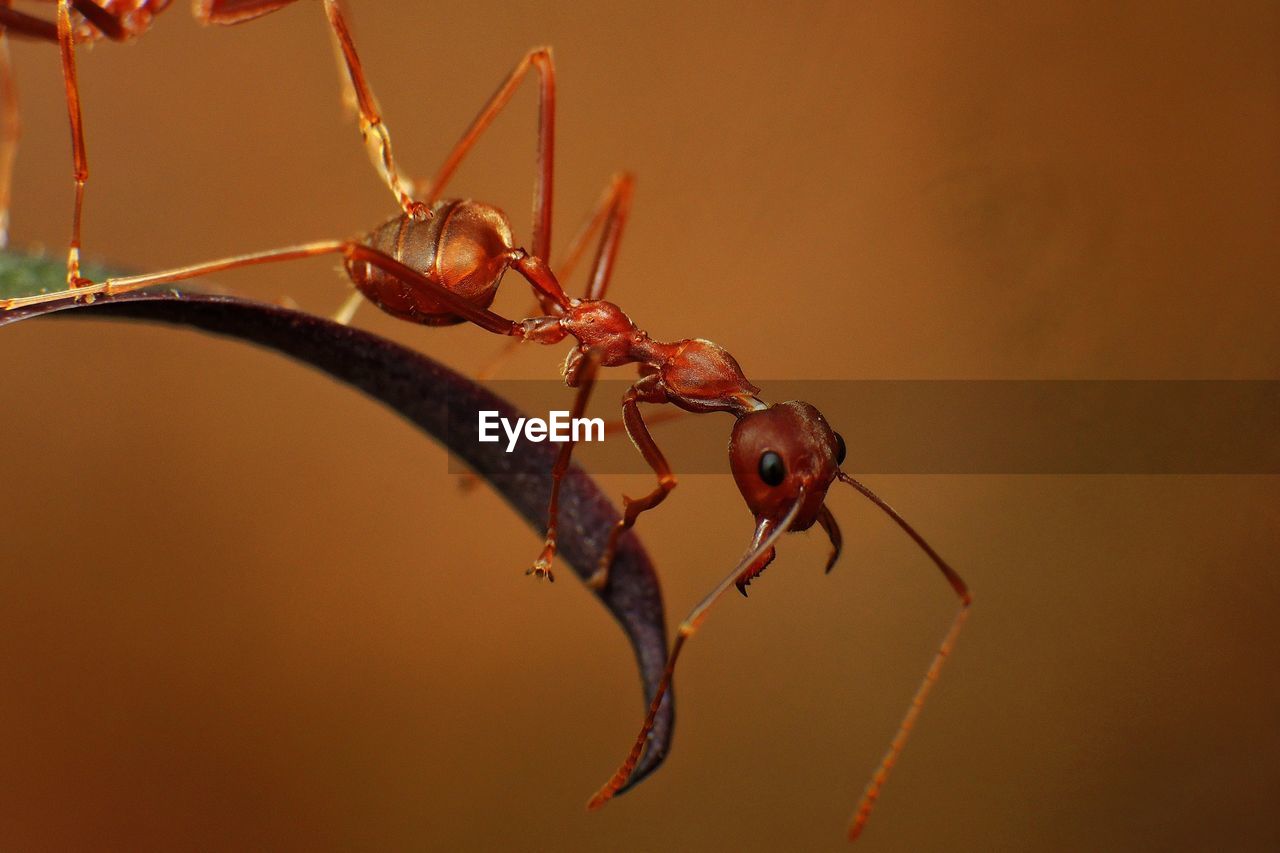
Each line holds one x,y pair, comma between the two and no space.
466,246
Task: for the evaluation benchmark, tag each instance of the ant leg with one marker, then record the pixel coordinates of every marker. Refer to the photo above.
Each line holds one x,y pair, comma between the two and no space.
10,120
377,138
375,134
10,133
29,26
540,59
235,11
66,45
539,329
767,533
110,24
612,206
659,417
581,373
648,390
546,286
828,522
348,308
613,210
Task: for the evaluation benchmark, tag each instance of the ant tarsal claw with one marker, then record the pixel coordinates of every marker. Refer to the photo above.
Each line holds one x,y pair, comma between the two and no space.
77,283
417,210
540,570
541,567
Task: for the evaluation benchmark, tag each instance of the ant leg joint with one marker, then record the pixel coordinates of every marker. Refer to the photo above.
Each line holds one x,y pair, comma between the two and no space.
378,142
541,330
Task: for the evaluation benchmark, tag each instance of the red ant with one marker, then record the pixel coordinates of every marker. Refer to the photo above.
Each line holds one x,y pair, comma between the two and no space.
784,457
86,21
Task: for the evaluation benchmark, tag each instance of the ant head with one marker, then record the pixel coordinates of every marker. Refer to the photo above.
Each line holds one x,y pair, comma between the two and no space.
784,453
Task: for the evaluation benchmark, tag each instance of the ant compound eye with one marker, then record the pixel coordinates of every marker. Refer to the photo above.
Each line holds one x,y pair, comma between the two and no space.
772,471
839,449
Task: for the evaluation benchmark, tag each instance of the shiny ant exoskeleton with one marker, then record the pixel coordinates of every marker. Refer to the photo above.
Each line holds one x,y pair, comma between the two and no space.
447,268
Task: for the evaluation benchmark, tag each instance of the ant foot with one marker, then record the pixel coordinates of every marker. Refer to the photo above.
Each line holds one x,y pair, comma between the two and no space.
416,210
75,281
541,567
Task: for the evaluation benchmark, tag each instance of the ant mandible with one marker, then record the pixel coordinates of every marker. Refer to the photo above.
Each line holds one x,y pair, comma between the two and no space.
784,457
87,21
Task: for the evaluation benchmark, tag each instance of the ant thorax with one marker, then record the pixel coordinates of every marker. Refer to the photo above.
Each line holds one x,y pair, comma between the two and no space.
702,376
605,328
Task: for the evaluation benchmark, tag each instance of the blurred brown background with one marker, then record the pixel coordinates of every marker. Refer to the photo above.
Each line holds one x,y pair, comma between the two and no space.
242,606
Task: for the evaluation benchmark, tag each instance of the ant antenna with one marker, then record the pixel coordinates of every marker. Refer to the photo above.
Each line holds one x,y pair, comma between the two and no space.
878,779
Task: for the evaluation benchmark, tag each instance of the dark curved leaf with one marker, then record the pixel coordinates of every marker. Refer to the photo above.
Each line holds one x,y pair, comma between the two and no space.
443,404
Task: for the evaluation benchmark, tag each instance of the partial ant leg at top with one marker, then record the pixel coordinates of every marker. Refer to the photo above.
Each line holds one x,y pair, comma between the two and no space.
374,132
61,33
111,26
356,88
57,32
372,129
80,158
10,133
